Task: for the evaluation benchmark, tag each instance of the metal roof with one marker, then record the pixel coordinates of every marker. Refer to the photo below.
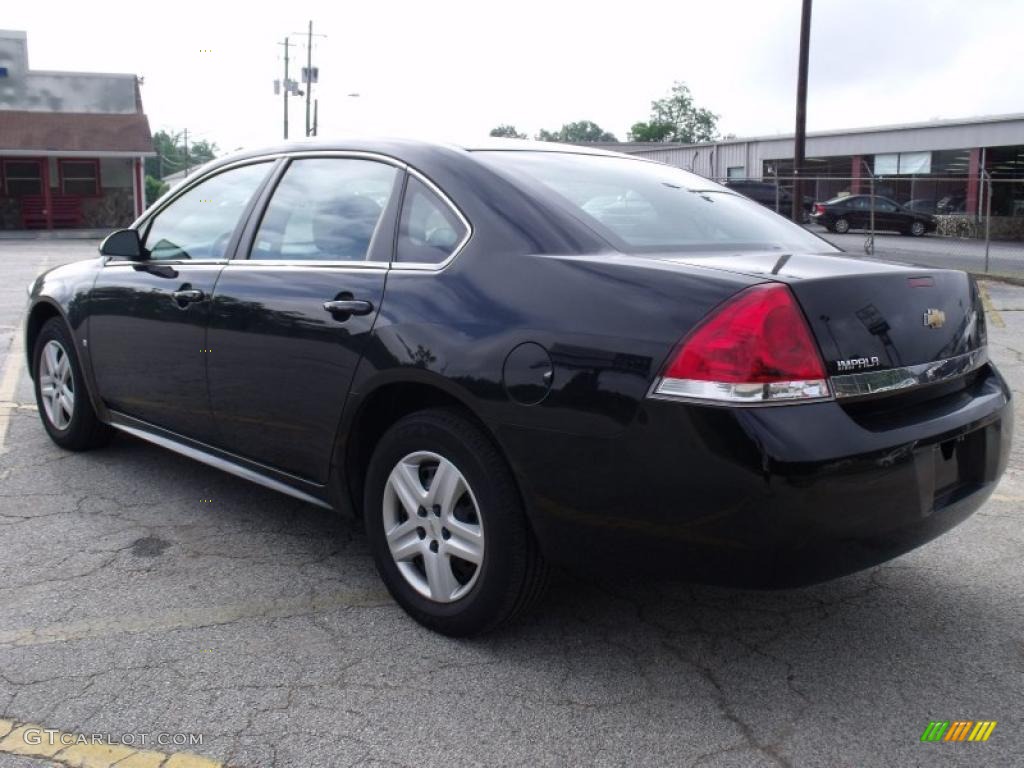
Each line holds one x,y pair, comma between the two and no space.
640,147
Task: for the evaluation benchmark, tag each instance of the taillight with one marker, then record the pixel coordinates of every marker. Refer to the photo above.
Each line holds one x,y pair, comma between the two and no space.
819,208
755,348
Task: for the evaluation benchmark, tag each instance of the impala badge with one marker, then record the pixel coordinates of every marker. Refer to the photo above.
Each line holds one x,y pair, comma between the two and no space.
934,318
857,363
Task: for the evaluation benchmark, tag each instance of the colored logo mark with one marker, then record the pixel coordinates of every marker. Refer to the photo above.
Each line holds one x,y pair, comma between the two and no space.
958,730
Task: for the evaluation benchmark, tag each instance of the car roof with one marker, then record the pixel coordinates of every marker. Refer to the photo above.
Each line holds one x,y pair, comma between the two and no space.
407,149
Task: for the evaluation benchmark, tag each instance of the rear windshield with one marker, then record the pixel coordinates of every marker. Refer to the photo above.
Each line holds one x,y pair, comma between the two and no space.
647,207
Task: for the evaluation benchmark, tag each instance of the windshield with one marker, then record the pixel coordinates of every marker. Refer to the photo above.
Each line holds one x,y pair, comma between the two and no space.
645,207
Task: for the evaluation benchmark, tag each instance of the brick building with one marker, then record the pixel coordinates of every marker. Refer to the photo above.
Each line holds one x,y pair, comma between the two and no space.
72,145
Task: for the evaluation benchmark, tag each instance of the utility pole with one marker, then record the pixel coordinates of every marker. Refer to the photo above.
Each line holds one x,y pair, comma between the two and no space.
316,105
186,153
309,72
285,88
800,136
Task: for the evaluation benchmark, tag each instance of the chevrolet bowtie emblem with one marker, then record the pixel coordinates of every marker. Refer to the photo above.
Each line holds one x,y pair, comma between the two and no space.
934,318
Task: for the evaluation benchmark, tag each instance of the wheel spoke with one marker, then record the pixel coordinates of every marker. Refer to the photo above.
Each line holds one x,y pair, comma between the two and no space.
67,402
466,542
403,540
405,481
50,357
63,368
440,579
447,487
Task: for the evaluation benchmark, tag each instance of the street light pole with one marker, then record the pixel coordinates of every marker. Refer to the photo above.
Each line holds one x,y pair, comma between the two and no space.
800,135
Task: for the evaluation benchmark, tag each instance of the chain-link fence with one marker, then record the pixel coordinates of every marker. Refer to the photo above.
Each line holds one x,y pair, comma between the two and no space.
956,222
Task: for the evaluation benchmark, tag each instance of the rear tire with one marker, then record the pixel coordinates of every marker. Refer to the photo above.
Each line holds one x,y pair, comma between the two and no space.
918,229
841,226
61,395
416,542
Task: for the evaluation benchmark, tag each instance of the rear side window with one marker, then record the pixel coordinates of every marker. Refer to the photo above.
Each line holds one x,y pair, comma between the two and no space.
325,209
429,230
641,206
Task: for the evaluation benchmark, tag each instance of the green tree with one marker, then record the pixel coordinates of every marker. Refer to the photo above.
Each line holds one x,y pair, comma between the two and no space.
507,132
677,118
580,131
154,188
170,149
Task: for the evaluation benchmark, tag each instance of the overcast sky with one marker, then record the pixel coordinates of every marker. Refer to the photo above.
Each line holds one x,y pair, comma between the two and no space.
453,70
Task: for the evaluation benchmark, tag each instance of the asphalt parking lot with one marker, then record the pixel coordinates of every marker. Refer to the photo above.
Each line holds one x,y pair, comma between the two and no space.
147,595
1004,257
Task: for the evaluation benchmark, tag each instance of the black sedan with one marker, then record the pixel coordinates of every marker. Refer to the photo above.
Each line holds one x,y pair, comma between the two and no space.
841,214
513,355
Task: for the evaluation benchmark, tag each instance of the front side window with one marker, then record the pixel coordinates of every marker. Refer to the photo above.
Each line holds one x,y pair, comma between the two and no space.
325,209
641,206
429,230
199,223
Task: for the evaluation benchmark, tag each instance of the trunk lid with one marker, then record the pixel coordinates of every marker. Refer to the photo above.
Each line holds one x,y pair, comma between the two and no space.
867,315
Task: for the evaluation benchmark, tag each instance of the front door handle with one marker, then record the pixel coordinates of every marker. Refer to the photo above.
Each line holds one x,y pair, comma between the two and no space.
348,307
187,296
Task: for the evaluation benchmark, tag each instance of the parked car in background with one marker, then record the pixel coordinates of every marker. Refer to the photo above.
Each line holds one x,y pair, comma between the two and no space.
768,195
841,214
921,205
519,353
951,204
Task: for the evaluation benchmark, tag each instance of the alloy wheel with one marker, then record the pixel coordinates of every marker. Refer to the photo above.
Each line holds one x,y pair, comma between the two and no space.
433,526
57,385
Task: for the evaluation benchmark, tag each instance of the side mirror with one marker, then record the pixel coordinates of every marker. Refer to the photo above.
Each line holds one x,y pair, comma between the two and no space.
123,244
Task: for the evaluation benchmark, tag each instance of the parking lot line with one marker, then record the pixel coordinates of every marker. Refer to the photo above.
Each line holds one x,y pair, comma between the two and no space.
990,310
9,381
277,608
82,751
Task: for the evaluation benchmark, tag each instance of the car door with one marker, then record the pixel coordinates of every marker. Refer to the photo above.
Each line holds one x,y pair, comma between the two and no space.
291,315
857,211
888,215
147,318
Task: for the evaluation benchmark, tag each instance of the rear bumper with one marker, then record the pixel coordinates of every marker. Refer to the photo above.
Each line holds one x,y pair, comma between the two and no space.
764,497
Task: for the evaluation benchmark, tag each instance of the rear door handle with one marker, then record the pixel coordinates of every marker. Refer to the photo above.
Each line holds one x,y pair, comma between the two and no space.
348,307
188,295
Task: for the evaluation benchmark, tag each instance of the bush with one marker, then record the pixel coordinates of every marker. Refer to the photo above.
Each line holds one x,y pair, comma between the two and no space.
154,188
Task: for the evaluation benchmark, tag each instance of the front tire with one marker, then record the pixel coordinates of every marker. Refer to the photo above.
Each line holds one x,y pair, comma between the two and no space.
446,526
64,406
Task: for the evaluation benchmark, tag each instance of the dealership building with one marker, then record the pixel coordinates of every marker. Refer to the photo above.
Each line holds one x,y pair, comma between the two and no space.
917,161
72,145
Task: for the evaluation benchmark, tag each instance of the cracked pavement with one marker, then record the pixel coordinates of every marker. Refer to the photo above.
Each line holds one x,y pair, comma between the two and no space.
129,605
